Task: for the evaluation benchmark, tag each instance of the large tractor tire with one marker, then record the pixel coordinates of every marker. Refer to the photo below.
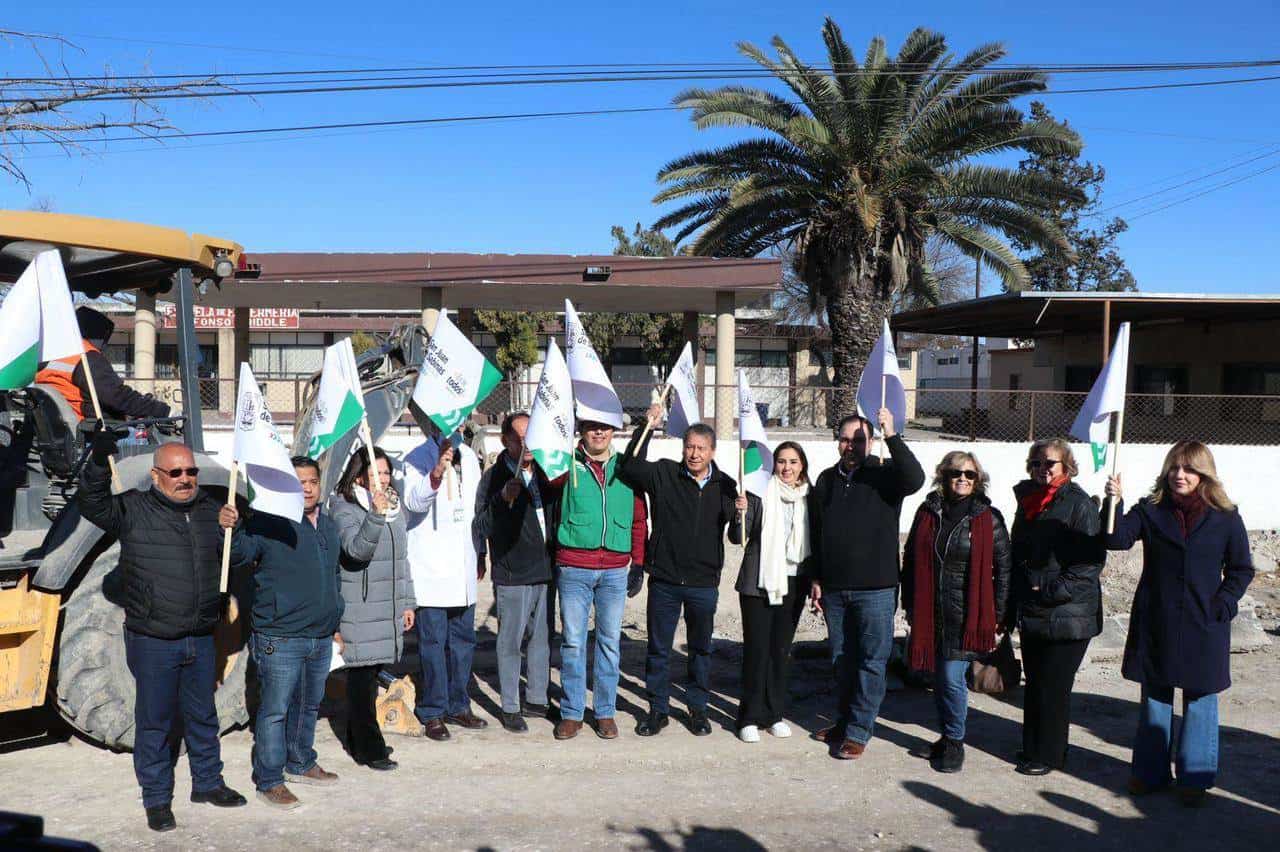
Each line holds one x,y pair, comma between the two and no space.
94,688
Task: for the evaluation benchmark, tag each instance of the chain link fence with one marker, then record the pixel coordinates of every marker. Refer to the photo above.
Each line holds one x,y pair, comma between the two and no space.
954,414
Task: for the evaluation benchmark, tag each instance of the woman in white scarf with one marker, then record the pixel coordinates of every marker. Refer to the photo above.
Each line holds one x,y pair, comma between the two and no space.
777,552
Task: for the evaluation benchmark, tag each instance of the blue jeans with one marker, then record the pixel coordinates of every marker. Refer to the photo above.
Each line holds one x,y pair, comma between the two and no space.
446,646
291,674
665,601
580,589
951,696
1197,757
860,630
173,675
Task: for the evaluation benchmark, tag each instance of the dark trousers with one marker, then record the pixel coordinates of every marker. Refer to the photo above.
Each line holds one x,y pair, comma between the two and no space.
860,631
446,646
665,602
1050,667
172,676
767,632
364,737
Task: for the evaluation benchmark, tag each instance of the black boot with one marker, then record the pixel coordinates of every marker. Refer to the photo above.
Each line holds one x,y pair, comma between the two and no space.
160,818
652,724
929,751
952,757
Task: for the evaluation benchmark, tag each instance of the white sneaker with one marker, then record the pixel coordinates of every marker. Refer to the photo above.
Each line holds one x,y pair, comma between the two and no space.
749,734
780,729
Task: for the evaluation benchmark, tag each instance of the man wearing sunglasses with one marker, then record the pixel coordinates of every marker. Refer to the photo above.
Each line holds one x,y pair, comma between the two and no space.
168,583
853,519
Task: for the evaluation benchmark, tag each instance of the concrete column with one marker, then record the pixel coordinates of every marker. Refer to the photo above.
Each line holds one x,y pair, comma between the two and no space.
228,370
144,342
726,383
432,303
241,339
690,334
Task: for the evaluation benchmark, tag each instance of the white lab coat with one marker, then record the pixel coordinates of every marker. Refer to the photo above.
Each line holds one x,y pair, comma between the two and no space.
442,549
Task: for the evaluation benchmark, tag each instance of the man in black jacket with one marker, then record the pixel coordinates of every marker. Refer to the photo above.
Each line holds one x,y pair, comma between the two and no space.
854,509
691,502
511,516
168,579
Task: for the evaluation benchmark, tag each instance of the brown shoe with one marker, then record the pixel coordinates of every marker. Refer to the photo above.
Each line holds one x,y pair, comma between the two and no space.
436,730
314,775
567,729
850,750
467,720
827,734
606,729
279,797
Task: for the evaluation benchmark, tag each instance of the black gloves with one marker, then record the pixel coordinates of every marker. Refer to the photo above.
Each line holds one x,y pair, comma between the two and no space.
103,446
635,580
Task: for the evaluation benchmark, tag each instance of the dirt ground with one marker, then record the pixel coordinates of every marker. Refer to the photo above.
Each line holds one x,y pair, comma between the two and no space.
494,790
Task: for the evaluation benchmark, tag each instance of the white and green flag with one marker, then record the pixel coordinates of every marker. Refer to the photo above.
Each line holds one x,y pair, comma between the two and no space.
592,391
263,458
880,385
38,322
454,379
549,435
684,401
757,458
339,406
1106,397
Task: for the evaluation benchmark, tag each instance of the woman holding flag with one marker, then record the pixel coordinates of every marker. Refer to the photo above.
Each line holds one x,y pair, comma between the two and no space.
1058,556
378,592
1195,567
770,592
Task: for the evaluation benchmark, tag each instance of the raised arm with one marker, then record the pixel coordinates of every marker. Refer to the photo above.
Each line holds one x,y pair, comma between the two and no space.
421,484
359,533
909,475
633,467
754,521
97,504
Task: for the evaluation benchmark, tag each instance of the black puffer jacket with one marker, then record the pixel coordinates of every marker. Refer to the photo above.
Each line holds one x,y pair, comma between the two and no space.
1057,563
951,573
170,555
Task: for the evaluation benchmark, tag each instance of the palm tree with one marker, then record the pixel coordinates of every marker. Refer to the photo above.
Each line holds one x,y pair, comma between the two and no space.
863,169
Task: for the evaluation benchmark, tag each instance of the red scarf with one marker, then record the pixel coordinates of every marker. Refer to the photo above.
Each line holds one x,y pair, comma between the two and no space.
980,602
1038,498
1188,510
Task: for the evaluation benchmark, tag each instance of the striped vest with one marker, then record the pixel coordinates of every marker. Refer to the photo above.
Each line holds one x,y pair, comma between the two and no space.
58,375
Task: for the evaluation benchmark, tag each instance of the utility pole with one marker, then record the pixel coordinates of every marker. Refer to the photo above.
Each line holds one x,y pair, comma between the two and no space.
973,366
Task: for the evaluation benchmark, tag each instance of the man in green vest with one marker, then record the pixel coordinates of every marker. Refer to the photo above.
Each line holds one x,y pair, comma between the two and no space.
599,539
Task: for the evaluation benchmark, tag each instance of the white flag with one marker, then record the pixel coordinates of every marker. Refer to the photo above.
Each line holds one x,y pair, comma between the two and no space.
1106,397
38,322
596,399
686,409
264,459
454,379
757,458
339,406
881,386
549,435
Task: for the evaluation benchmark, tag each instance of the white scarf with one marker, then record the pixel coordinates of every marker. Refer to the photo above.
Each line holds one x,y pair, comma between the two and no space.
366,502
780,546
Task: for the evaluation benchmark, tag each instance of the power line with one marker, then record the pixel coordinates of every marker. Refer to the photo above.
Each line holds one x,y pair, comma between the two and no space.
1271,153
1202,193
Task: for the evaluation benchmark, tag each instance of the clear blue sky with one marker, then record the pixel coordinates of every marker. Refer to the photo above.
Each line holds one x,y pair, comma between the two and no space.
557,185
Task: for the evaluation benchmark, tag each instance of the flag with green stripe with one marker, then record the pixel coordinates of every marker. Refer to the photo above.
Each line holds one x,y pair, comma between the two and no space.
756,457
454,378
38,320
549,435
339,405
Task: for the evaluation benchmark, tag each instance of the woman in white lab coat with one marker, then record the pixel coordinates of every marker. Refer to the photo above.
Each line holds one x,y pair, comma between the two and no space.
440,479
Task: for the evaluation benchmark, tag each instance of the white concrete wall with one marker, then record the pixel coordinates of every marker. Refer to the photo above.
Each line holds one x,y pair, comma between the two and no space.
1249,473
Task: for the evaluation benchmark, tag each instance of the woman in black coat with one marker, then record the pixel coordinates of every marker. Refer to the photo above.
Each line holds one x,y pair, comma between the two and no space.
1195,567
955,587
771,589
1058,555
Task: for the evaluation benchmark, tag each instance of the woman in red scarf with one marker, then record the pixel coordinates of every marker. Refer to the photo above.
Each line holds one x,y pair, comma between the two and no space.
1195,567
1058,555
955,585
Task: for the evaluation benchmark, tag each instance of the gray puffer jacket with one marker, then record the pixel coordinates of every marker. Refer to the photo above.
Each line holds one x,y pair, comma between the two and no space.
376,583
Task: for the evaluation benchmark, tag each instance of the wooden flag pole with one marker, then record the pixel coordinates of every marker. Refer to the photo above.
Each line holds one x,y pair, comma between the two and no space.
884,381
648,427
1115,466
97,407
366,435
742,466
226,534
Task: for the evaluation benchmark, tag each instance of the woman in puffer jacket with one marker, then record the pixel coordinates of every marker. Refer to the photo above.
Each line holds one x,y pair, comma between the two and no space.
378,591
955,587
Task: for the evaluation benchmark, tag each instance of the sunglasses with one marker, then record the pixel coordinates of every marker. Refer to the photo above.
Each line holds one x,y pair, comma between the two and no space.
1036,464
192,472
971,475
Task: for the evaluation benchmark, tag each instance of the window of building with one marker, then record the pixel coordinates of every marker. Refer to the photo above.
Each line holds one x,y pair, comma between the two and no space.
904,362
1241,381
1081,379
1015,384
1165,381
628,356
279,353
752,358
167,360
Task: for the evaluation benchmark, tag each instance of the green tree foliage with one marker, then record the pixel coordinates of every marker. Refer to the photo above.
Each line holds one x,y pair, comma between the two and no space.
860,166
516,333
1094,263
362,341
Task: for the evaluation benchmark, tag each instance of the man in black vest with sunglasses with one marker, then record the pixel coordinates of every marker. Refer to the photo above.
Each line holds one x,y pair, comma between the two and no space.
168,583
